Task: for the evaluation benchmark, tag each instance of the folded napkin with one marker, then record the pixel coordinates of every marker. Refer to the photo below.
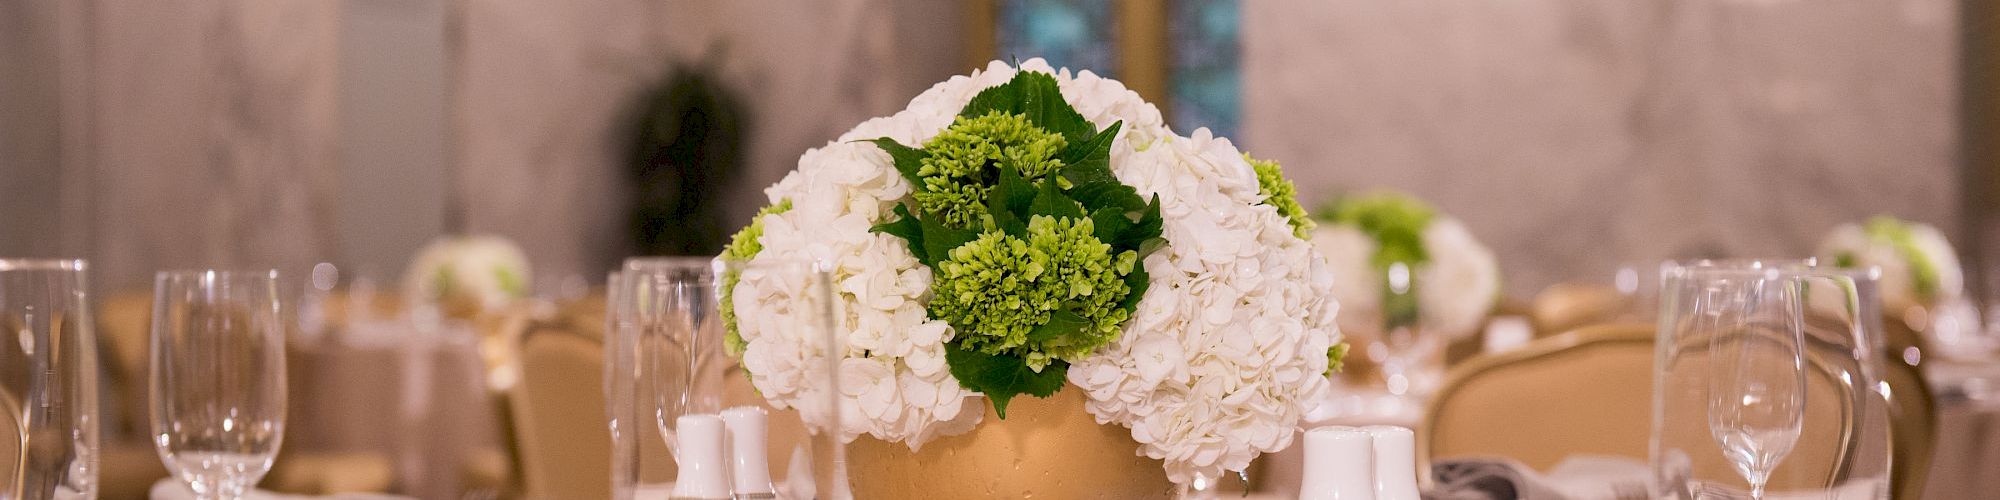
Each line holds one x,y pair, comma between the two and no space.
1487,479
1582,477
173,489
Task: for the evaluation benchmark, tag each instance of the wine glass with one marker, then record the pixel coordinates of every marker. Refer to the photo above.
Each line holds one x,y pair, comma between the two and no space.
1756,393
218,378
48,382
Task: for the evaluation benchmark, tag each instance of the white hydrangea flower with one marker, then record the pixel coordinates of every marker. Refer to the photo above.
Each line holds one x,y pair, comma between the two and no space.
1228,347
1898,283
1218,364
1460,283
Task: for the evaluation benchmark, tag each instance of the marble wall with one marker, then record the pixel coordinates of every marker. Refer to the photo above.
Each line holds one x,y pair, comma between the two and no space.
197,134
1573,135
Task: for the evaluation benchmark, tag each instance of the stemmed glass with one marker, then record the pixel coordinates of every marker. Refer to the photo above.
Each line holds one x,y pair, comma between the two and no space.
48,382
1756,392
218,378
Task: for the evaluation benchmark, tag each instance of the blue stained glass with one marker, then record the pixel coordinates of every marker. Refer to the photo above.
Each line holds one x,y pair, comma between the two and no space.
1205,82
1075,34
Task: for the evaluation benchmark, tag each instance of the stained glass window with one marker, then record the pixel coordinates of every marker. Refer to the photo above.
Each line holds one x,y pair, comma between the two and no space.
1203,77
1079,34
1205,80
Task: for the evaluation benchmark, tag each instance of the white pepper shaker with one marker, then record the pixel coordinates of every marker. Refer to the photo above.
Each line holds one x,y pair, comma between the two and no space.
702,475
1395,462
1338,465
749,463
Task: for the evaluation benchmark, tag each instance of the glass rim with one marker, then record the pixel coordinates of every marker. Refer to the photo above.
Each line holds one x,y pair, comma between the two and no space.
717,264
225,274
40,264
1767,268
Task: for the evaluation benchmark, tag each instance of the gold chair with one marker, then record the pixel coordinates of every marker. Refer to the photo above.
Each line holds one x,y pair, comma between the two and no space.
1566,306
1915,417
557,412
1590,391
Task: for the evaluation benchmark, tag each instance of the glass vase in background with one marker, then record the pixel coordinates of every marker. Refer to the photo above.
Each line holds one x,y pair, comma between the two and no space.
48,382
666,315
1395,361
1769,370
218,378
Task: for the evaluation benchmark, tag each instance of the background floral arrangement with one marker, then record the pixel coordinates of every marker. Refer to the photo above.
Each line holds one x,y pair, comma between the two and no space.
468,273
1918,265
1453,280
1021,227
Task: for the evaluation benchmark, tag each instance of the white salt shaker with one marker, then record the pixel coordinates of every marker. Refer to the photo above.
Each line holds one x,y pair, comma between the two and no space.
749,463
702,475
1395,462
1338,465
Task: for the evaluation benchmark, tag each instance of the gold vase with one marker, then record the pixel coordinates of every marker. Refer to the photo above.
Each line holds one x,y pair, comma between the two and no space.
1046,448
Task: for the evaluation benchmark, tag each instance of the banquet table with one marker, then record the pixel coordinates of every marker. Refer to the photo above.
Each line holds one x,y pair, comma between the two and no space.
1968,430
415,395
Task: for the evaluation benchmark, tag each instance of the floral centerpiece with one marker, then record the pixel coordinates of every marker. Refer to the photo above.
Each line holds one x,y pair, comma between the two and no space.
466,275
1919,268
1022,229
1402,263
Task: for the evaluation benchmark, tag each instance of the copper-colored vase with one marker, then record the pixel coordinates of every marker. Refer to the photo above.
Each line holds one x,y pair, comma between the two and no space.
1046,448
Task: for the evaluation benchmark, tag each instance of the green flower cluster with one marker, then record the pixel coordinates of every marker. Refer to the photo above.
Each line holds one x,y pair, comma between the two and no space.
1281,193
1033,244
964,162
1005,292
1336,358
1923,272
743,246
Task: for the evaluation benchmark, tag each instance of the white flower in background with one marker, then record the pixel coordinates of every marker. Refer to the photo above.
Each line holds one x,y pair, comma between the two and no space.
1456,279
1462,281
1918,265
1226,349
487,272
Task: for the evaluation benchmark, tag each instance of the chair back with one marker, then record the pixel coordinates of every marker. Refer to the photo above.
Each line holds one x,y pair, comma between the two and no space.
13,446
1590,392
1914,411
124,329
558,413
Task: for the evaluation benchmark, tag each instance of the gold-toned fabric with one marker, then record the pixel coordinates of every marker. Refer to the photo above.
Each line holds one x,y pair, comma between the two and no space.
1915,418
124,326
13,445
558,416
1566,306
1590,391
1046,448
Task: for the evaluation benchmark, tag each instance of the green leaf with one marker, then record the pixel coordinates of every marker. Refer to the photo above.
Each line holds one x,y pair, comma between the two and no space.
908,228
1035,95
1090,161
908,159
1013,192
1110,223
1001,377
1061,322
939,239
1102,195
1147,228
1052,202
1137,281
